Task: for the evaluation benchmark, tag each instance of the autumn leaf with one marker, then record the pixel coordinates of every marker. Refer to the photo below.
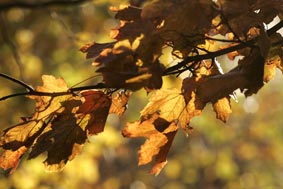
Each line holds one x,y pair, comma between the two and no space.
161,157
170,104
60,125
93,50
120,102
62,140
222,108
270,68
128,13
160,119
9,159
24,133
95,109
159,139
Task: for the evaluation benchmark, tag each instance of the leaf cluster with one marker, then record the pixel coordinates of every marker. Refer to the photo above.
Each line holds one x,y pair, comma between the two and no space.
197,32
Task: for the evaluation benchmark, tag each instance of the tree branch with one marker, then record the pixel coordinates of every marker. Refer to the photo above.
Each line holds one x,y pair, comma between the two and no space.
211,55
33,92
29,88
29,5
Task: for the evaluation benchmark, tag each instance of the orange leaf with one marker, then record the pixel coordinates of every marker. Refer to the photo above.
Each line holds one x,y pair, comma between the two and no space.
161,160
9,160
119,103
157,131
270,68
222,109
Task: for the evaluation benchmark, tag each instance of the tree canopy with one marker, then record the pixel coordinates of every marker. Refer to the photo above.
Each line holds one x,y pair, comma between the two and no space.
196,34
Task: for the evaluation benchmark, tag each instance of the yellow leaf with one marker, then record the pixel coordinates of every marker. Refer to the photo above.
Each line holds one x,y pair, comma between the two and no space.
222,109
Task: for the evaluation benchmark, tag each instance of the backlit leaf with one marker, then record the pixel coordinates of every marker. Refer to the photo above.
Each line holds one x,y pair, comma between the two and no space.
157,131
96,105
222,109
9,159
120,102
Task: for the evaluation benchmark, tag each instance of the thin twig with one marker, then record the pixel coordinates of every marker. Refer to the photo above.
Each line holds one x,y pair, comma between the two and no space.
54,94
29,88
172,69
221,40
211,55
14,95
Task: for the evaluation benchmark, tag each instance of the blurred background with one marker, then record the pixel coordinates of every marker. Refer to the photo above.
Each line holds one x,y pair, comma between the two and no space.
246,152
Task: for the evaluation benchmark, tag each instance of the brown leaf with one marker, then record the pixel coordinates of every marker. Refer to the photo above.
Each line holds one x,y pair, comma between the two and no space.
155,82
128,13
161,158
9,159
46,105
222,108
247,76
48,110
23,134
194,104
93,50
62,139
96,105
119,103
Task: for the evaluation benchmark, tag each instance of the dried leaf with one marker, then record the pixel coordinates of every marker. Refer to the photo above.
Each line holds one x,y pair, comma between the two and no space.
26,132
128,13
62,140
9,159
157,131
96,105
161,158
170,104
22,134
120,102
247,76
93,50
222,108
